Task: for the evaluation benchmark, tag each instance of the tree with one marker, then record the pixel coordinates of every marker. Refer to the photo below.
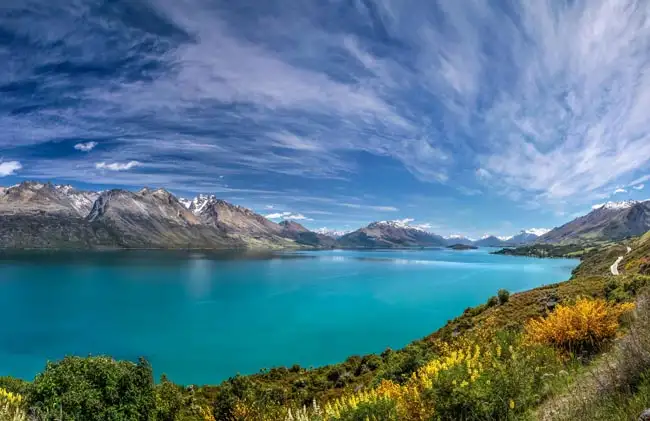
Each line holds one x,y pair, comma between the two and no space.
95,389
504,296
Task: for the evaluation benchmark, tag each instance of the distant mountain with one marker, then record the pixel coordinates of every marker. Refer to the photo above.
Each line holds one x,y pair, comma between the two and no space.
610,221
295,231
527,236
390,234
492,241
458,239
331,233
43,215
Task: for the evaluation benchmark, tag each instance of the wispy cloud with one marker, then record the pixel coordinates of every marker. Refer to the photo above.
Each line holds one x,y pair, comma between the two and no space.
370,207
9,168
85,147
619,190
639,187
288,216
552,108
117,166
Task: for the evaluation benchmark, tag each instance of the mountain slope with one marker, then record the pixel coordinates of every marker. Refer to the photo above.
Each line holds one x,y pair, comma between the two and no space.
611,221
154,218
43,215
32,197
388,234
295,231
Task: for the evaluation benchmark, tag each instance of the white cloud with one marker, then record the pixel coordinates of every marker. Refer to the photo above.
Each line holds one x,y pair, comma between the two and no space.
639,187
619,190
574,121
405,221
537,231
117,166
424,227
269,207
85,147
290,216
9,167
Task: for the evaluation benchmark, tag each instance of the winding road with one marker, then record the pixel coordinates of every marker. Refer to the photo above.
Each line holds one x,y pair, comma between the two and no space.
614,267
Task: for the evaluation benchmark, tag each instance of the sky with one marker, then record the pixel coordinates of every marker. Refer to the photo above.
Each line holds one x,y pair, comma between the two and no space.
467,117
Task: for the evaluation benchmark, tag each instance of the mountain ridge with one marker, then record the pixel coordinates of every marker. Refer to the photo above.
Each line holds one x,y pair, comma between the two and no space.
609,221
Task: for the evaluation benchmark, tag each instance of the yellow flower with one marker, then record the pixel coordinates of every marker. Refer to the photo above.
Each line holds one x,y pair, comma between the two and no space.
512,404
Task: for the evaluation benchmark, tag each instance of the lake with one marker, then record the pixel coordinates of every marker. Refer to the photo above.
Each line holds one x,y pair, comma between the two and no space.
203,317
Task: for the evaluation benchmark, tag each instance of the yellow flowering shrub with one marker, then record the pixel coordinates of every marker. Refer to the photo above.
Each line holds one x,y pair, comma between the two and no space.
11,406
499,377
584,325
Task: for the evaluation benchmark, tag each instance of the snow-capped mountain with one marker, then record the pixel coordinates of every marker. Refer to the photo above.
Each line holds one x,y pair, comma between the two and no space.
607,221
331,232
536,231
626,204
36,196
386,234
458,239
81,201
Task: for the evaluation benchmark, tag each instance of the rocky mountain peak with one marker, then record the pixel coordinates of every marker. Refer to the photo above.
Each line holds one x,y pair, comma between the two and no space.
293,226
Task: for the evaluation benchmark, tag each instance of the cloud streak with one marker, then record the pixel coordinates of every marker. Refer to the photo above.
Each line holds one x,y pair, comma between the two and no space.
552,108
117,166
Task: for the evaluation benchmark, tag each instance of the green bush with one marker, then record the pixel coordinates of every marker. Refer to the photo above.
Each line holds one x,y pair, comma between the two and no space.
94,389
504,296
14,385
169,400
492,301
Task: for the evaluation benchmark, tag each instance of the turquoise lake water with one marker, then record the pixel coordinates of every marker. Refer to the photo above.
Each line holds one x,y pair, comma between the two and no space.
201,318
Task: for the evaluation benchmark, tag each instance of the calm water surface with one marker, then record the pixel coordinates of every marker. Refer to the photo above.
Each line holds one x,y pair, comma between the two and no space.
201,318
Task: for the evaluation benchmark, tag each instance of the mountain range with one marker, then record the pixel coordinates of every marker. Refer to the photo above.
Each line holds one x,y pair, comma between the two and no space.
44,215
609,221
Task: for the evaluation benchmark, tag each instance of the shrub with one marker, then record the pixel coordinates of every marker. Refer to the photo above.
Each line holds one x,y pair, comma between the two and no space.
504,296
169,400
498,379
583,326
492,301
95,389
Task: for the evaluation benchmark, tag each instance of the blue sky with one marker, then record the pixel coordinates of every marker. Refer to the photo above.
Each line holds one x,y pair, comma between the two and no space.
473,117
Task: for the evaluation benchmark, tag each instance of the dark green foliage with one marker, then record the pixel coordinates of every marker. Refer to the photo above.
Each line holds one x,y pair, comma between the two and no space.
504,296
492,301
624,288
14,385
547,250
95,389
